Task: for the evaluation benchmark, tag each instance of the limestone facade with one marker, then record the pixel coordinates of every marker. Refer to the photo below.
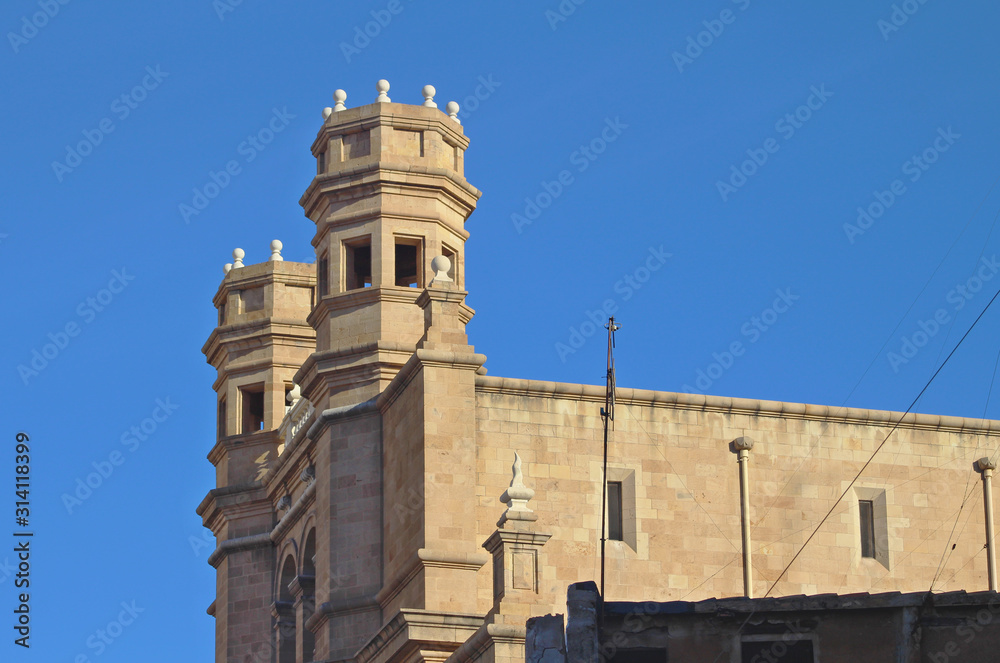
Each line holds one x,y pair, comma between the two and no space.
362,450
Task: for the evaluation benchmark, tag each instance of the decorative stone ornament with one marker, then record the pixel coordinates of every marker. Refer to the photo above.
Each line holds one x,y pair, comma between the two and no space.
308,475
429,93
294,394
285,503
339,97
453,109
382,87
227,268
238,255
327,112
441,265
516,496
276,251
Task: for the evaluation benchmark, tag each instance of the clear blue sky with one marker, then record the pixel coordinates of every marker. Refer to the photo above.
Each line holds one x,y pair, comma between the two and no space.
822,105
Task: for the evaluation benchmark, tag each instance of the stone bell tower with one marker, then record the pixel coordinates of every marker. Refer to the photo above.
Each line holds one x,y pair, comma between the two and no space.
389,195
346,393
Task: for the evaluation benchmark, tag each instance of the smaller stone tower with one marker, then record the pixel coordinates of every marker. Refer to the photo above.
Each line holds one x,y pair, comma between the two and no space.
261,340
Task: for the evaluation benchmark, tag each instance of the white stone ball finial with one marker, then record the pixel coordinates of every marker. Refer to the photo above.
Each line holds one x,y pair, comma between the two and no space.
238,255
276,251
453,109
227,268
382,87
429,93
441,265
327,112
339,97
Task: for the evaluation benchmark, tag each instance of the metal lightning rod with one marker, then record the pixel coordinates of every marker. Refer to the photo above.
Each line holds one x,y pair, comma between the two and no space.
608,414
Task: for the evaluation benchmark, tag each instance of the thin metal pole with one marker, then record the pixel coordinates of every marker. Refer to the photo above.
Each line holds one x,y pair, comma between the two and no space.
608,413
743,445
986,466
745,521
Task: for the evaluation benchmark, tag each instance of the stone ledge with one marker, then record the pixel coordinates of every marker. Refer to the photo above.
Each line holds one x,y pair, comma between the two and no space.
727,405
239,544
411,631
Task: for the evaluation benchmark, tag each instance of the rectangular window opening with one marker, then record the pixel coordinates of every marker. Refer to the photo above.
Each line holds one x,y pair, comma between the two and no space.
222,417
323,275
322,162
253,408
222,314
359,265
615,528
452,257
407,261
867,513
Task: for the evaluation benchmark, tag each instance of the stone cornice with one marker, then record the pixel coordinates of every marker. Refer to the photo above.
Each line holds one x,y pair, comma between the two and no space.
515,539
342,302
412,630
248,499
372,175
358,218
424,357
230,442
326,417
725,405
263,273
484,638
254,334
425,558
239,544
396,115
359,363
